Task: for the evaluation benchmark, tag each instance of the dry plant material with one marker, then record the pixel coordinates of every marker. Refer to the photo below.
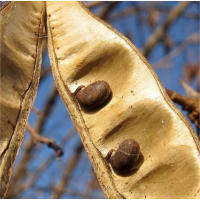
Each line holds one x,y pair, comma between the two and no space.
106,9
153,17
3,5
51,143
93,95
125,157
165,61
190,92
21,56
36,111
92,4
61,185
161,30
30,180
85,49
191,71
21,168
191,105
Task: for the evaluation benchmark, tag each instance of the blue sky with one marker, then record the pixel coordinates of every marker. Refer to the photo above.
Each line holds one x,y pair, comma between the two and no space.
59,123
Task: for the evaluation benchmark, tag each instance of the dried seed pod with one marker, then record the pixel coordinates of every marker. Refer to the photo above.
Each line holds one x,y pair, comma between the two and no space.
93,95
126,156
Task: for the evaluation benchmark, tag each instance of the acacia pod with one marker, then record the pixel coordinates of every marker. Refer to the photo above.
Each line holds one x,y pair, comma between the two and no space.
126,156
93,95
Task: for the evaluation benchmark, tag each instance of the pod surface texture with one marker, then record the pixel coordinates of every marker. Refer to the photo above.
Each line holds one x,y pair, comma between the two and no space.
21,56
84,49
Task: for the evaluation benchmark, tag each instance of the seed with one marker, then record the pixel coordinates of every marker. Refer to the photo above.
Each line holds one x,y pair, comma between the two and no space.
93,95
125,157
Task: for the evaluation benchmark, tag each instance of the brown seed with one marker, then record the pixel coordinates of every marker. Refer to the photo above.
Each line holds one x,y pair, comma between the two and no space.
125,157
93,95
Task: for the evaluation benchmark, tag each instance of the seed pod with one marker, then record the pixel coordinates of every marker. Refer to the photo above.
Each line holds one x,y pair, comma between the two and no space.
93,95
126,156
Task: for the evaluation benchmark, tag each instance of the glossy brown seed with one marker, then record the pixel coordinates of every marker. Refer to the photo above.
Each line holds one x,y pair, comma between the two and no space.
93,95
126,156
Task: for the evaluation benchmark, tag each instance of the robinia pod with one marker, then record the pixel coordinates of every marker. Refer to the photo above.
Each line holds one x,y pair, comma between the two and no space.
84,49
21,57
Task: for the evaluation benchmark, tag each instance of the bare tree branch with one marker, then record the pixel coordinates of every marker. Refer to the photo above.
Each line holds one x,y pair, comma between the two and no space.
47,109
136,9
194,38
25,182
3,5
45,72
92,4
46,164
160,31
68,191
60,187
51,143
188,104
21,168
36,111
105,11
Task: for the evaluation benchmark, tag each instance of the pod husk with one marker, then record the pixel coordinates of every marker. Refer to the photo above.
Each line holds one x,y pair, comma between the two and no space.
84,49
20,60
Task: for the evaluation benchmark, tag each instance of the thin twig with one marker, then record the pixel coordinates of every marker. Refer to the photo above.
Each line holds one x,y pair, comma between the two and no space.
92,4
187,103
46,71
60,187
136,9
32,178
47,110
107,9
67,191
161,30
191,39
4,5
92,185
51,143
36,111
21,168
190,105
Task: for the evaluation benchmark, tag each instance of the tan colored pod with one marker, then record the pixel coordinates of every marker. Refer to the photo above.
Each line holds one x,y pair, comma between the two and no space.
83,49
21,55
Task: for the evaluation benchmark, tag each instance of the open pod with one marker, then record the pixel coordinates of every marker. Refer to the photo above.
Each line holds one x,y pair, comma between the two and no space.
83,49
20,56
